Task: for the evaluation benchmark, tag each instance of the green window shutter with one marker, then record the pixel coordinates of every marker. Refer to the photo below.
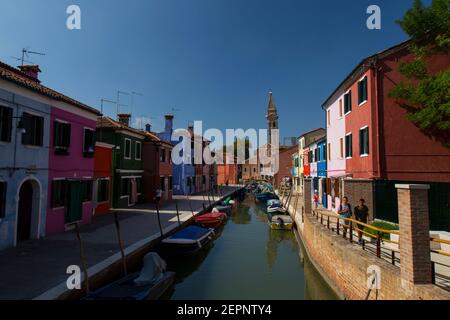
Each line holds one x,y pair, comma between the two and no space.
67,131
365,89
40,131
56,134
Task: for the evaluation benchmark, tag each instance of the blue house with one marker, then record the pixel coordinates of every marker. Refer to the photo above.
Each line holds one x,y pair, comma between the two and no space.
184,176
24,155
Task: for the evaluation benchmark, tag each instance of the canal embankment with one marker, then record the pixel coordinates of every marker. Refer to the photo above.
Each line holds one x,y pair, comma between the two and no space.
37,269
345,265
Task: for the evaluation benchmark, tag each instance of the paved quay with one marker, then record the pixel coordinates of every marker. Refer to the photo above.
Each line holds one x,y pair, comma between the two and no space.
35,268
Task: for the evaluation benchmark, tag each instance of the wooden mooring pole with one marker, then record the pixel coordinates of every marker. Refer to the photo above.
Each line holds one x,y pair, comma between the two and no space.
119,238
159,220
82,258
178,214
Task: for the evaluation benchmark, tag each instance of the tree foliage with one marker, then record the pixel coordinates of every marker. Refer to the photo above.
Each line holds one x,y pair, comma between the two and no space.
426,96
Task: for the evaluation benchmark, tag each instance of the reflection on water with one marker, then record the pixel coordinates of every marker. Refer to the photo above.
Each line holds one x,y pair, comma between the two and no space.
248,261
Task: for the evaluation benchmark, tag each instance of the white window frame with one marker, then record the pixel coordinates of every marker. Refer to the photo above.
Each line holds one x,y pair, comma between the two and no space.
345,145
125,149
343,103
365,155
360,80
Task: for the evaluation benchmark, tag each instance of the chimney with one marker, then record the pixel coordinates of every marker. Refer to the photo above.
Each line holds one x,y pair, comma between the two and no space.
191,129
124,118
31,71
148,127
169,122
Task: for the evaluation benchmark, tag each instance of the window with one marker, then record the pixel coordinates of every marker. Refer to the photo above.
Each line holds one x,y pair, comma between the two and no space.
254,170
103,190
34,130
340,108
5,124
329,152
194,181
310,157
2,198
204,180
59,193
348,102
341,149
138,150
170,156
162,155
61,137
89,143
348,146
125,187
189,182
362,90
245,169
324,156
139,185
162,183
329,117
364,141
170,182
86,190
318,154
127,149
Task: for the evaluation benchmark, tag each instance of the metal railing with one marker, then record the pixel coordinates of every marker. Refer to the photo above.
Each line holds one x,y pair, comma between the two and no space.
347,226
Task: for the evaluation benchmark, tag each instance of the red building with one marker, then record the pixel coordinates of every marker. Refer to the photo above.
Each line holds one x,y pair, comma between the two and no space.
381,146
157,155
285,164
103,177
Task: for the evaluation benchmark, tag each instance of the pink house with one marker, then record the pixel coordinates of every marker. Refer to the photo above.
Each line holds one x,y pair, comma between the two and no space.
71,165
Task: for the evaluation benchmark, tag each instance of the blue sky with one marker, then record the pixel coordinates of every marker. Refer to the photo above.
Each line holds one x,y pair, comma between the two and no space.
212,60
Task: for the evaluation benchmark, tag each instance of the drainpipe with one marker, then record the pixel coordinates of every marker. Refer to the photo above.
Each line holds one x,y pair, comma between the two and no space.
11,172
377,117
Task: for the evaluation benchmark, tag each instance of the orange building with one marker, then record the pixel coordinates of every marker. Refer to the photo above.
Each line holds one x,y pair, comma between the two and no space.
103,177
227,170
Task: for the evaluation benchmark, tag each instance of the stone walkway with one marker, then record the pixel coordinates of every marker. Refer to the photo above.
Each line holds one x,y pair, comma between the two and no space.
33,267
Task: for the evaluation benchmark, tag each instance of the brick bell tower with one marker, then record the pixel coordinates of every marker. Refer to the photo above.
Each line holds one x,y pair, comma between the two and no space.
272,121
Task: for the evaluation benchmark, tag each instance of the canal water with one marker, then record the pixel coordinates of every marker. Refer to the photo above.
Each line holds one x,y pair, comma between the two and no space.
247,261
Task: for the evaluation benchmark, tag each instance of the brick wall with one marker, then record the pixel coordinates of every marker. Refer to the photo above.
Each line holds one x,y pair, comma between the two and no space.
344,266
356,189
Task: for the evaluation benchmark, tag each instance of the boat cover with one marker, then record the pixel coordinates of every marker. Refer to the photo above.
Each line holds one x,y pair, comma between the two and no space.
210,216
190,234
274,202
152,271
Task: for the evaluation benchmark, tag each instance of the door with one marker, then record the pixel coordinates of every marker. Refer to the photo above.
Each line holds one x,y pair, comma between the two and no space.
25,210
75,202
133,196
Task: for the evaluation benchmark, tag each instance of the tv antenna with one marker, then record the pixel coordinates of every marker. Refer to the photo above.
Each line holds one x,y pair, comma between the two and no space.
26,52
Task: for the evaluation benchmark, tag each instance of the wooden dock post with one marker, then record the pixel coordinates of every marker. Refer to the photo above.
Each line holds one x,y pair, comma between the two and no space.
178,214
82,258
119,237
159,221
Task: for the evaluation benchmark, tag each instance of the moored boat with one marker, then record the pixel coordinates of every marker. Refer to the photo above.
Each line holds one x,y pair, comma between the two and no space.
280,222
188,240
274,206
265,196
211,220
148,284
225,209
